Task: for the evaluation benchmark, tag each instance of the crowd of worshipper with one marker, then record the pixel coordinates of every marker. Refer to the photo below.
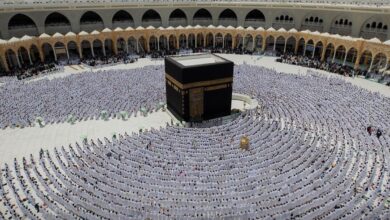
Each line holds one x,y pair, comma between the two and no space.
112,59
31,70
80,96
334,67
310,154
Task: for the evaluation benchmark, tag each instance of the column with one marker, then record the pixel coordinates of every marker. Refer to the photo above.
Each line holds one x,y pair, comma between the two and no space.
357,61
314,51
285,46
187,38
196,41
372,62
253,44
137,46
223,42
168,45
127,47
323,54
67,52
158,43
80,52
334,56
92,50
345,59
213,41
29,57
304,49
5,64
274,45
296,46
17,60
264,44
55,54
243,43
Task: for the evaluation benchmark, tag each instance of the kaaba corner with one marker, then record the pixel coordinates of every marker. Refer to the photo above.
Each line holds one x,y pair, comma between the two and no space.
199,86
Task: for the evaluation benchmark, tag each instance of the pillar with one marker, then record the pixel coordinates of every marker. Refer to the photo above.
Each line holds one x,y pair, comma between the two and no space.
80,52
55,54
67,52
92,50
41,54
323,54
334,56
372,62
314,51
264,44
5,64
213,41
17,60
345,58
187,38
296,46
357,61
285,46
29,57
274,45
158,43
304,49
196,43
137,46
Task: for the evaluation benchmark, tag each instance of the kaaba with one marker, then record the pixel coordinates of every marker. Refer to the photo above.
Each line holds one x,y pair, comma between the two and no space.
199,86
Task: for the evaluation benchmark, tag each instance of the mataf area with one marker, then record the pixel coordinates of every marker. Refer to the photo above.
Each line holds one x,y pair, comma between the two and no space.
315,150
183,109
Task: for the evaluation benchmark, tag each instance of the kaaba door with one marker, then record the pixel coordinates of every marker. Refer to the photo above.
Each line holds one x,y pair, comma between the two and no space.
196,104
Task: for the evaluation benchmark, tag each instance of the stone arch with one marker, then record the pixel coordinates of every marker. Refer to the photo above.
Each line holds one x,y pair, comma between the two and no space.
200,40
280,44
228,41
109,47
151,18
172,42
48,52
34,54
122,19
340,54
239,39
301,46
97,46
177,18
254,18
227,17
24,57
351,57
12,59
163,40
248,44
309,48
290,44
380,62
86,49
132,45
20,25
121,45
182,41
202,17
60,52
57,22
73,52
270,43
318,48
90,21
258,43
219,41
153,43
210,40
329,52
191,40
365,60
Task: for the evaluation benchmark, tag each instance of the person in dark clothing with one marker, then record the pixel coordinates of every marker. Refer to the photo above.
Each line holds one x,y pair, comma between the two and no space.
369,130
378,133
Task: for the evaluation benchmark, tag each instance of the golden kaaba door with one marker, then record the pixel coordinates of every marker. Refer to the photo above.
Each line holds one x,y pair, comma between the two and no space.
196,103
